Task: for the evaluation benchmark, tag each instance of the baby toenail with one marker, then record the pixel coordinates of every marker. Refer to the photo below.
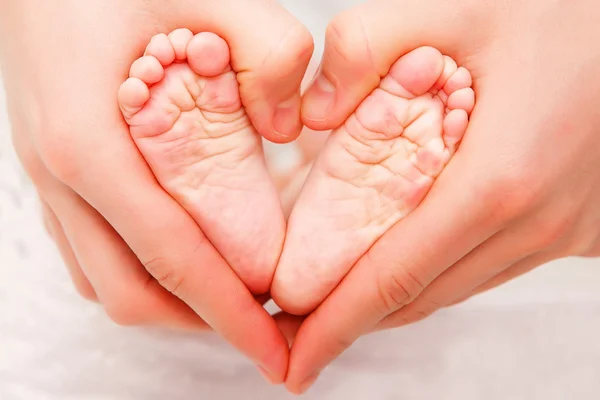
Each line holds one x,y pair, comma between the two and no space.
286,117
319,100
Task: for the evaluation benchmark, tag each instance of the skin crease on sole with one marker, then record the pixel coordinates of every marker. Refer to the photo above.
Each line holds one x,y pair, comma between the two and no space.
183,107
373,171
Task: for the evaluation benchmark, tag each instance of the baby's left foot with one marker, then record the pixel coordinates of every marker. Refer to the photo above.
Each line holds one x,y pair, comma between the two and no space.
374,170
183,106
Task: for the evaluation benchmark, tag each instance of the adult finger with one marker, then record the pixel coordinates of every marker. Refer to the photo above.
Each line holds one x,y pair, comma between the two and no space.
467,205
595,250
127,291
104,167
397,268
166,240
364,42
428,303
174,250
476,197
523,244
270,55
406,292
55,230
289,325
558,239
521,268
129,294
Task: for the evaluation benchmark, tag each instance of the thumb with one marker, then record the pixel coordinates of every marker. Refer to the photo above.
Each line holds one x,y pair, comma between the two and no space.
362,44
270,51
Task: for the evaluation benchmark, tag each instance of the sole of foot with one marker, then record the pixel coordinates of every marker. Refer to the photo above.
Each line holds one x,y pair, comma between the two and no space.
183,107
373,171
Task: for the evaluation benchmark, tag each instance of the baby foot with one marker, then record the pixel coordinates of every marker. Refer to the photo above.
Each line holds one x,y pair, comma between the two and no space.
374,170
185,115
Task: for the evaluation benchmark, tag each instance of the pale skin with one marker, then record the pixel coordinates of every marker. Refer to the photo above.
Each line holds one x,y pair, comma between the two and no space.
183,107
524,188
521,194
98,191
374,171
185,114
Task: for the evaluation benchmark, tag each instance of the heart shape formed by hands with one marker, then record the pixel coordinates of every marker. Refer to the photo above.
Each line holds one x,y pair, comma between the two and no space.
186,117
115,241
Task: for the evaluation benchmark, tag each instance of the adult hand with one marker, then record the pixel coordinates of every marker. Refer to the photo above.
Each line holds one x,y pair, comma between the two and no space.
523,189
127,243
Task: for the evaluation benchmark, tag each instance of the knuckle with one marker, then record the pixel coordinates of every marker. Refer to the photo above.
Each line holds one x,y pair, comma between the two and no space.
45,143
459,300
30,159
422,309
554,231
165,274
299,44
337,346
418,312
416,315
396,288
336,343
510,195
125,312
583,244
86,292
293,52
35,168
346,39
594,249
55,153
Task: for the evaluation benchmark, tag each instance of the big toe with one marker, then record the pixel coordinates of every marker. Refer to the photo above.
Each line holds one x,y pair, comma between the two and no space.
416,73
208,54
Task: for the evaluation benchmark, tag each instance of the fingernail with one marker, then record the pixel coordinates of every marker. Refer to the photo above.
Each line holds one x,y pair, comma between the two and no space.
271,378
308,382
319,99
287,117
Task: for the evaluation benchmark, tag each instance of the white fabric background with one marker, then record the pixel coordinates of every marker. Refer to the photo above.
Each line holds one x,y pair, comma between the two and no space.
536,338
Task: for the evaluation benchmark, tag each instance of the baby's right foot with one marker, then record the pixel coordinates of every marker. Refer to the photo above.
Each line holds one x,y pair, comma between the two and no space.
374,170
183,107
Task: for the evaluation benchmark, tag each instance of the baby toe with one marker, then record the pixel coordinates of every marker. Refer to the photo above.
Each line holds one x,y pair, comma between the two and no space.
133,94
148,69
462,99
455,127
461,79
450,68
179,40
160,47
